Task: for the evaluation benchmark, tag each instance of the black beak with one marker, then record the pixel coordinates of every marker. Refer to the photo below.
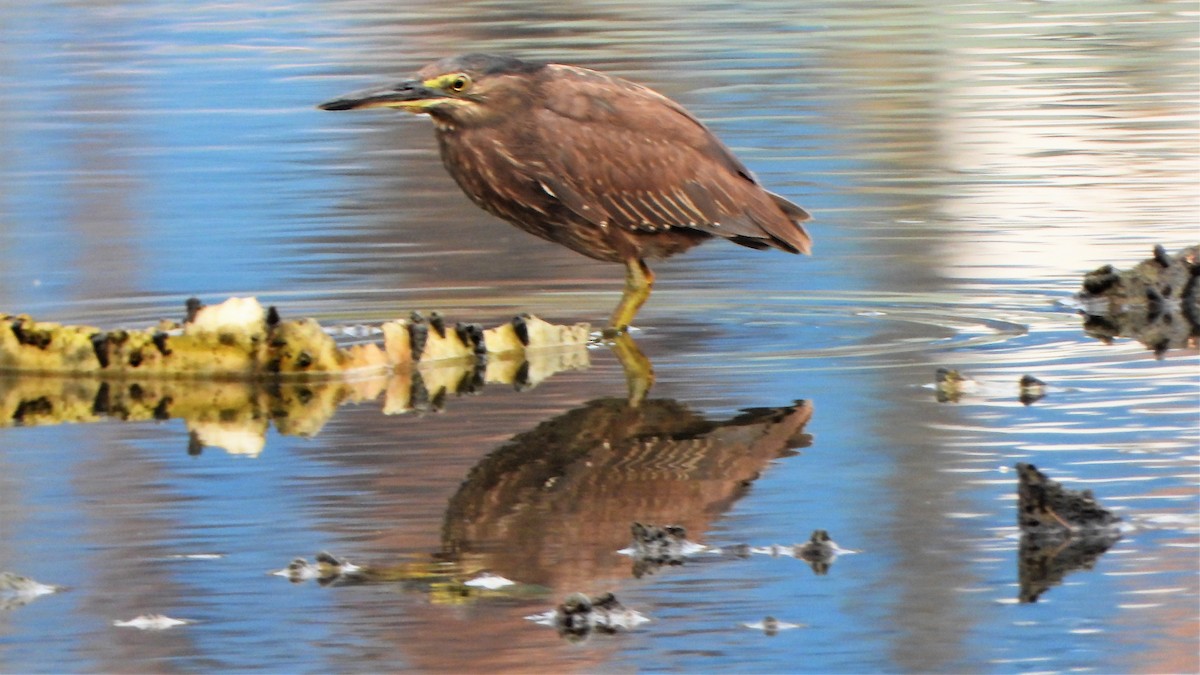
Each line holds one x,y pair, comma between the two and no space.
408,95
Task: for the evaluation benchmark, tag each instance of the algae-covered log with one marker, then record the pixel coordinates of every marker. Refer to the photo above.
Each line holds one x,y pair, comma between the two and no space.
238,339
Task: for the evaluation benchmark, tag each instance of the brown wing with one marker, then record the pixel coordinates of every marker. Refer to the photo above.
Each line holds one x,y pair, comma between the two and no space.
621,155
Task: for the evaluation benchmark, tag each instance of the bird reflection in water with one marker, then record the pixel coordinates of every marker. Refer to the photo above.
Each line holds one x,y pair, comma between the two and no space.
553,505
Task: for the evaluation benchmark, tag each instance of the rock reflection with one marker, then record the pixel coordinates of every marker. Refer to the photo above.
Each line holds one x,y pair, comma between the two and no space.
235,415
554,504
1043,564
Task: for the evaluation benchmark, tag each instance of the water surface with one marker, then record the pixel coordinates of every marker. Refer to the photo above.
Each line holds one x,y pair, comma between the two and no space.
966,164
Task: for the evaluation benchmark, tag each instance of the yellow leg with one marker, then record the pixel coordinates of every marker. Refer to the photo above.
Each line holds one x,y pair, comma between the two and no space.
638,282
639,373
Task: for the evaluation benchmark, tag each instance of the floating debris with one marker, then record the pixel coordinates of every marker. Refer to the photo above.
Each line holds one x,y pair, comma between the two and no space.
774,550
16,590
1062,531
445,583
239,339
579,616
770,625
152,622
739,550
1156,302
1032,389
654,546
326,569
489,581
820,551
950,385
299,570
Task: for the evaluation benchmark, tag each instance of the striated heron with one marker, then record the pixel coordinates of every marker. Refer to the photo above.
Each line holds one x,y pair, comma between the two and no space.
601,165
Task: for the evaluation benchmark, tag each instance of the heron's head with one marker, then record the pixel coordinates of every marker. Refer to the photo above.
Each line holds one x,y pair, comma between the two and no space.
461,91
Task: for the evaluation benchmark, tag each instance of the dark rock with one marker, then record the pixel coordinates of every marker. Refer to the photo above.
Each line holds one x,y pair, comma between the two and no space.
1045,507
1154,302
579,616
1062,531
819,551
1032,390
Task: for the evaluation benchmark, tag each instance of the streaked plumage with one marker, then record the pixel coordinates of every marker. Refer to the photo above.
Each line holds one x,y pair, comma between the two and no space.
601,165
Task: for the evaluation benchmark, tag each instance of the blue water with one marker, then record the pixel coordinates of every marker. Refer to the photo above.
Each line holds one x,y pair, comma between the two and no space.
966,163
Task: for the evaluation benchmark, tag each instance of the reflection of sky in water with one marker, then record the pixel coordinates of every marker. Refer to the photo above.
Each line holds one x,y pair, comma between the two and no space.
964,166
150,140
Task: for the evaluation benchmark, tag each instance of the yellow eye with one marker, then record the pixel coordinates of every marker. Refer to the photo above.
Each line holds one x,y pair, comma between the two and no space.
459,83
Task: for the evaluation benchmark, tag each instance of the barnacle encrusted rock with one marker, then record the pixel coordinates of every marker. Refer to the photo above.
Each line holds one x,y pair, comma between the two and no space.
239,339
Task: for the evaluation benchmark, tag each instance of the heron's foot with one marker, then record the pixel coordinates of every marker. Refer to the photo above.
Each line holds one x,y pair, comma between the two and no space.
639,372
